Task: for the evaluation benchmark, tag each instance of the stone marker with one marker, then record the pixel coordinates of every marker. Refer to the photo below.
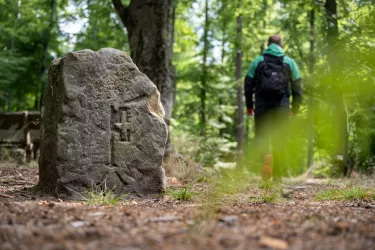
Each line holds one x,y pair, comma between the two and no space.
102,126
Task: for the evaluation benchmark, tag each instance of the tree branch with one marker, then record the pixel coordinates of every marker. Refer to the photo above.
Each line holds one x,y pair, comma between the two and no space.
122,11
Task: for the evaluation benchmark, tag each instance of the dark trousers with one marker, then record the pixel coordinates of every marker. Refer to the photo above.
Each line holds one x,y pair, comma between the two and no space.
271,133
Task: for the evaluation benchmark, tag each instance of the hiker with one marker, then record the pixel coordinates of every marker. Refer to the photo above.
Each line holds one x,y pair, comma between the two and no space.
273,78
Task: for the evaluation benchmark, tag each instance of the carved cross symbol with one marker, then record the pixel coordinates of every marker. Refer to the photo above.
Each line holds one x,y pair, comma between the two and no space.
124,125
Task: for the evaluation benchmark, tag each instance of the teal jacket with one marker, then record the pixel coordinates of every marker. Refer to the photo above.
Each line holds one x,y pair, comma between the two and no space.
274,52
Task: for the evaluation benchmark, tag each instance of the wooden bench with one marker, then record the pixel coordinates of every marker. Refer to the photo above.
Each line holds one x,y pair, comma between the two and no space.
21,130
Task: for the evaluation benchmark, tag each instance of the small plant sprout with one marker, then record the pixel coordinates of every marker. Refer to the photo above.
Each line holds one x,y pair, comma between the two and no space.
183,194
269,198
103,196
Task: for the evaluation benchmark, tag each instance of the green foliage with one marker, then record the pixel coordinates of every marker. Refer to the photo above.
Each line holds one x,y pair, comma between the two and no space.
346,194
102,29
183,194
323,171
23,29
206,151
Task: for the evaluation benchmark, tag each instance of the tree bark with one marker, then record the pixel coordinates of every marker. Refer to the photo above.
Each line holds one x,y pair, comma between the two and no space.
341,113
149,28
331,15
203,86
240,103
310,141
9,99
264,24
224,27
172,37
47,35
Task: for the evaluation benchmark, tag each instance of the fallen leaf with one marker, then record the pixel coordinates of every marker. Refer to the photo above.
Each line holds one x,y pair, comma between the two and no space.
77,224
6,195
273,243
174,181
96,214
163,219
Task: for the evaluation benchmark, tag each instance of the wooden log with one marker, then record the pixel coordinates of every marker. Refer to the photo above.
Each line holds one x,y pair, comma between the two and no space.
21,129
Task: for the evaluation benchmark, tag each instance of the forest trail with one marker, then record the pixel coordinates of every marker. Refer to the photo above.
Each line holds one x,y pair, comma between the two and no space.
243,221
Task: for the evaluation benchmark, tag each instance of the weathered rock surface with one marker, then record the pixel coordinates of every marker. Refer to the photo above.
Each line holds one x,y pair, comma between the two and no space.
102,126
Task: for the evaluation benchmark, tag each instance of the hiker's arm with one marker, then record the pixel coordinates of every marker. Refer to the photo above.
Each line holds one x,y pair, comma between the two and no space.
296,94
249,91
296,87
250,83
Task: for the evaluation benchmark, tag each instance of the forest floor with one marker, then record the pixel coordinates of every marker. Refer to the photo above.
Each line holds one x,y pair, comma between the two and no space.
252,219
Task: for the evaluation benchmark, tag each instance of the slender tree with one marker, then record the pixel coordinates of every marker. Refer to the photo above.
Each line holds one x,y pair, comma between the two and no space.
203,87
240,102
47,34
264,23
342,112
224,32
310,143
331,16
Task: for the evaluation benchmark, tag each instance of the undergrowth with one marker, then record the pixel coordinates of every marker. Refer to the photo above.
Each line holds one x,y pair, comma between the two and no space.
352,193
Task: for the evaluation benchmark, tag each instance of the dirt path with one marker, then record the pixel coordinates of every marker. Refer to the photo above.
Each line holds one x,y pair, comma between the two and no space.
241,222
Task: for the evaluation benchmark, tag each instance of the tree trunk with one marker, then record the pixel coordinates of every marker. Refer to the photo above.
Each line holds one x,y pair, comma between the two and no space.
310,142
203,86
9,102
331,15
224,27
240,102
264,24
172,40
169,149
47,35
148,23
346,134
18,105
2,101
341,113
